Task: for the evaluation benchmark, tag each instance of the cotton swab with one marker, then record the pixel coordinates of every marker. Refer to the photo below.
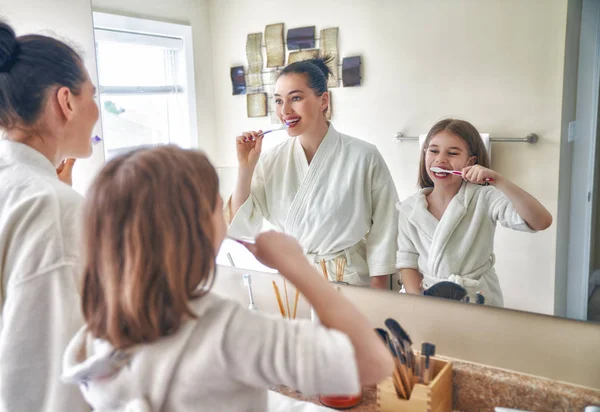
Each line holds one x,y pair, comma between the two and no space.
287,302
278,296
296,303
324,269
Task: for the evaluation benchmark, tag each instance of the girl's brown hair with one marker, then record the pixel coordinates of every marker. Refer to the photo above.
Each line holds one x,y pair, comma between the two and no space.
463,129
147,243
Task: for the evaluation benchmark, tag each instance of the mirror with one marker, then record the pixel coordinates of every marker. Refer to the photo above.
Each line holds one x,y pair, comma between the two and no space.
496,65
505,67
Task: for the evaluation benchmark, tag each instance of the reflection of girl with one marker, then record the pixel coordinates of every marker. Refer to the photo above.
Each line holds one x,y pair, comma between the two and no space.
157,339
333,192
446,230
47,111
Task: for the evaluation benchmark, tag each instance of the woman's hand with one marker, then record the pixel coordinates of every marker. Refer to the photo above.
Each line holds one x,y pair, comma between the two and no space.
65,171
248,147
480,175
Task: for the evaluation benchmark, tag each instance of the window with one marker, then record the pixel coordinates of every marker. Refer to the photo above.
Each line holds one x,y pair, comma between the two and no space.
146,83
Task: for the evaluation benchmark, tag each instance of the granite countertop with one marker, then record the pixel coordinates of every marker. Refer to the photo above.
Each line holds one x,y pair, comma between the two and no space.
368,404
480,388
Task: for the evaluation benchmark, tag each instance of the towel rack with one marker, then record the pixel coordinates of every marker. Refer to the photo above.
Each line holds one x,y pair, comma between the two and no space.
530,138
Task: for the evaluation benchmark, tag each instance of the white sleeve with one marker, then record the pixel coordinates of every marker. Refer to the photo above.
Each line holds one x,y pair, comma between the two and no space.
407,256
263,352
40,315
249,217
501,210
381,239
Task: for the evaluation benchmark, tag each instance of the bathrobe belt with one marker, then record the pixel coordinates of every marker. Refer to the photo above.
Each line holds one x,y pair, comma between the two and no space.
316,258
468,280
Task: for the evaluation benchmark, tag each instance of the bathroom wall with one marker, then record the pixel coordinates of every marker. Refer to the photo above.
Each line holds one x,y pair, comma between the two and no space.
499,64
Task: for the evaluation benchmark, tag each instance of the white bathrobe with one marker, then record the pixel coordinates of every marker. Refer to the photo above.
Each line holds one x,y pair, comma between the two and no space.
460,247
341,205
39,272
224,360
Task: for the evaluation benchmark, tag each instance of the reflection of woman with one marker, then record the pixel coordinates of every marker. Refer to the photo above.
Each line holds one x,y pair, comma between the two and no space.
333,192
47,112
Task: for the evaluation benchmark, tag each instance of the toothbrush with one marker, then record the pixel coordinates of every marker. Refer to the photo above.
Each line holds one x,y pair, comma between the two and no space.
95,140
242,239
282,127
436,169
248,283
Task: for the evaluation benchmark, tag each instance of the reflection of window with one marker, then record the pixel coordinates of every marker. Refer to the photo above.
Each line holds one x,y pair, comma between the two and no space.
145,71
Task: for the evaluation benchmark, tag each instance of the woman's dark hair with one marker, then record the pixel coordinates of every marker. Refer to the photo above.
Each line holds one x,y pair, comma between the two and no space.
316,71
30,66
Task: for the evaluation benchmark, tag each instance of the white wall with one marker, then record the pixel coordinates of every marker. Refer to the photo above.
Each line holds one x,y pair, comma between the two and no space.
498,64
196,14
70,21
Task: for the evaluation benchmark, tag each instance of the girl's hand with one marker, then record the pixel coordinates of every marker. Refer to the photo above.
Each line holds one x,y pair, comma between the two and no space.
249,146
65,171
480,175
277,250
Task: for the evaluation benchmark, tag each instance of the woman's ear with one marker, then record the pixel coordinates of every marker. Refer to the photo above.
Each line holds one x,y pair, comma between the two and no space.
324,102
64,97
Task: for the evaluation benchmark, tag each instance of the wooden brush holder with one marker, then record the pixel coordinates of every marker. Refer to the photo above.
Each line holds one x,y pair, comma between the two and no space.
435,397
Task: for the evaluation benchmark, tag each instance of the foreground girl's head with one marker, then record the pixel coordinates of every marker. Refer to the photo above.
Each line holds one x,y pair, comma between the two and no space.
153,224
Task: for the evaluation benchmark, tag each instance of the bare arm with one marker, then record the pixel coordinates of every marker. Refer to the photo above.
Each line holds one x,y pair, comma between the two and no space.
335,311
248,147
380,282
411,279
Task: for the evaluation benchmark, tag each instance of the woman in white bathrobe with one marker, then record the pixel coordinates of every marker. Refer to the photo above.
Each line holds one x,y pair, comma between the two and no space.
446,230
47,113
332,192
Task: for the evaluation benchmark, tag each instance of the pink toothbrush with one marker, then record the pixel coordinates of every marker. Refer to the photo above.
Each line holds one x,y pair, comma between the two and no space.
436,169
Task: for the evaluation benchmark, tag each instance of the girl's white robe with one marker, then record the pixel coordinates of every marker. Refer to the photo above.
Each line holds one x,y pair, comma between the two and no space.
459,247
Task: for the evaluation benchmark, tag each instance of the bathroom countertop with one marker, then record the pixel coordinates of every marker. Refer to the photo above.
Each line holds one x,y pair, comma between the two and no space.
479,388
368,404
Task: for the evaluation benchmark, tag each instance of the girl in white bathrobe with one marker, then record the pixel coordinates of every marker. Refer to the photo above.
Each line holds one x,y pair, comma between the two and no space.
156,339
47,113
332,192
446,230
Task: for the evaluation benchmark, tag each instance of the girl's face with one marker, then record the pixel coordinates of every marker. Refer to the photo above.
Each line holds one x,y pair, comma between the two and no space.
447,151
219,225
297,104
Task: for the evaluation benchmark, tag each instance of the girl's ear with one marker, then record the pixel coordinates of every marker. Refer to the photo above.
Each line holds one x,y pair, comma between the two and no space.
472,161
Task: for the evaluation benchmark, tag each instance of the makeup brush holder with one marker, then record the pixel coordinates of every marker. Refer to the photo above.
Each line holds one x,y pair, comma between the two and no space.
435,397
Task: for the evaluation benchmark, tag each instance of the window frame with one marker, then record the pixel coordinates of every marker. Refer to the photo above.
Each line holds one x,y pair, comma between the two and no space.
152,32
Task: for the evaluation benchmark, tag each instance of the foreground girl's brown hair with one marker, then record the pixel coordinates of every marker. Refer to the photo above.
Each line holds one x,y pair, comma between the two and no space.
465,131
147,243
